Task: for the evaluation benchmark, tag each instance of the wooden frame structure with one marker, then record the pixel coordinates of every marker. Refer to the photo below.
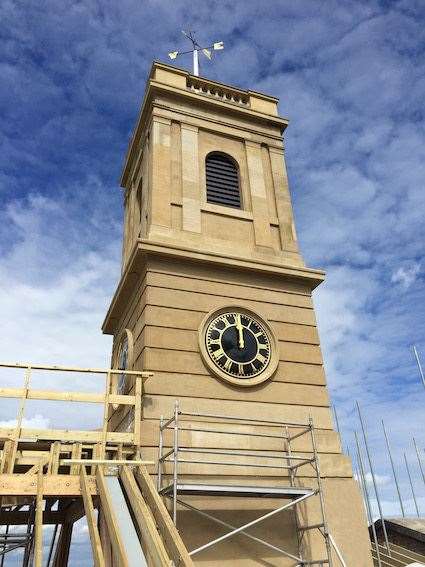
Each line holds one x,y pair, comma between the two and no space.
56,476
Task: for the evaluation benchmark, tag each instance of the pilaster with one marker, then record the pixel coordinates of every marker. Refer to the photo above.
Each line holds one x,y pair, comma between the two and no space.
190,178
258,191
283,200
160,172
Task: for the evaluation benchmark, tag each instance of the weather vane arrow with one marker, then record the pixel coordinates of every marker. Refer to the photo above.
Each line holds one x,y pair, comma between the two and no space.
207,51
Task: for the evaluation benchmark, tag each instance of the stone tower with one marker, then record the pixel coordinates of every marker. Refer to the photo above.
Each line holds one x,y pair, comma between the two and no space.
210,256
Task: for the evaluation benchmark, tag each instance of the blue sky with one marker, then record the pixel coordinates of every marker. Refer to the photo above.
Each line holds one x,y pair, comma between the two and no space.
351,78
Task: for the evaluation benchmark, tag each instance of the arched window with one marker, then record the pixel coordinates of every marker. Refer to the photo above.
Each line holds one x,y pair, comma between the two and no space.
222,177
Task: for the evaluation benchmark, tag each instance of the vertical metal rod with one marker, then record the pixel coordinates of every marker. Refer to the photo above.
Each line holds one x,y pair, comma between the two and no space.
289,460
320,487
419,460
4,545
421,372
411,484
337,551
372,472
292,481
336,419
176,459
160,445
52,545
393,468
368,506
359,479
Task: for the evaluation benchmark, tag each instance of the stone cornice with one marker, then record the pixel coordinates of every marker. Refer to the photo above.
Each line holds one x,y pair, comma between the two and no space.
136,267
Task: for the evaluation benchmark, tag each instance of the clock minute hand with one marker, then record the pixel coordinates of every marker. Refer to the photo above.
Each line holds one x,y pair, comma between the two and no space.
239,327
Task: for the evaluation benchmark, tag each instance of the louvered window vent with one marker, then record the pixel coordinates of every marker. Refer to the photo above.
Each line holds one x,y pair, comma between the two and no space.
222,180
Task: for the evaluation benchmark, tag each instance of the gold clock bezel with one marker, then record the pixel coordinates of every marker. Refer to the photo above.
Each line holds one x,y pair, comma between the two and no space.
268,371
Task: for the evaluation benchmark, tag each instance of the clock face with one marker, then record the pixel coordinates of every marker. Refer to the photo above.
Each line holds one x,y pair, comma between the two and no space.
238,344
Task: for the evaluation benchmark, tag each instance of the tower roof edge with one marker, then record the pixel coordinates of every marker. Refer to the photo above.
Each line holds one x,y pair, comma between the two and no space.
165,78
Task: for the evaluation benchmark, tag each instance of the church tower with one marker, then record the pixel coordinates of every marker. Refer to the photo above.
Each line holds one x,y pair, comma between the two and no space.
215,300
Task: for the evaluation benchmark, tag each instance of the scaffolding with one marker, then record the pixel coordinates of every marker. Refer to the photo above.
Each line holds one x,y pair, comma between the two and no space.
172,485
54,477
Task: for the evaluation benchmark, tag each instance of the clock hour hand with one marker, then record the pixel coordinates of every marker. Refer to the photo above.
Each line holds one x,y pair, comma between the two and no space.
241,342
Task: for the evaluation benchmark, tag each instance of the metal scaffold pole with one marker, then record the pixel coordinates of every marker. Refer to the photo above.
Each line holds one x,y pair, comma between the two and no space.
419,460
411,484
320,491
367,499
336,419
372,472
394,471
421,372
175,459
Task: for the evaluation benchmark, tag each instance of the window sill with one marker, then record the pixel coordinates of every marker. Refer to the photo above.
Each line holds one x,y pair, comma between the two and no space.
227,211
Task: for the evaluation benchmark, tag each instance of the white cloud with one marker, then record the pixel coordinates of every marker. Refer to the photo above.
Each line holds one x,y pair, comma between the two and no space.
54,292
55,286
381,480
36,422
406,276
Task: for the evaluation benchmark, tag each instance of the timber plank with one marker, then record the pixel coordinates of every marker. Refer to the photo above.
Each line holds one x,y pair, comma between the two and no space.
38,537
58,485
145,522
96,545
169,532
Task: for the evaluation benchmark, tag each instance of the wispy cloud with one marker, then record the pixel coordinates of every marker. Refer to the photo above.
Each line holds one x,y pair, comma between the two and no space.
406,276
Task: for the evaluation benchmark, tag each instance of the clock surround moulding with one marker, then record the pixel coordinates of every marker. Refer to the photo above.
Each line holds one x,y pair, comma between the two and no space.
266,374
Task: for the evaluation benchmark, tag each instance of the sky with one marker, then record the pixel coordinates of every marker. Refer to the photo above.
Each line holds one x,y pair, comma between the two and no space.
350,77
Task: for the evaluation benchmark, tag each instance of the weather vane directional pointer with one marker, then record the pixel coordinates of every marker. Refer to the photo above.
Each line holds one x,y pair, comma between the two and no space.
196,49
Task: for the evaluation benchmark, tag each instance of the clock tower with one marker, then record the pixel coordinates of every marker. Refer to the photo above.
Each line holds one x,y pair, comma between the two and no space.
215,300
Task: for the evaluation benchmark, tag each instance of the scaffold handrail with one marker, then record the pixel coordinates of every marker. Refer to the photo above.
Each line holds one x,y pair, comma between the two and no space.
236,452
260,422
221,431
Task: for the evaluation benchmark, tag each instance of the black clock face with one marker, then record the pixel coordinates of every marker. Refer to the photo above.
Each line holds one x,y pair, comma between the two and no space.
238,344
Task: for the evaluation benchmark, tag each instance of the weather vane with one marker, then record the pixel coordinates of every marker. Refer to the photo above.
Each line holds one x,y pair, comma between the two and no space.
196,49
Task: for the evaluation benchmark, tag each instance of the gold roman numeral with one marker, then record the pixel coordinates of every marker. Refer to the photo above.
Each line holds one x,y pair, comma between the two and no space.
218,353
228,364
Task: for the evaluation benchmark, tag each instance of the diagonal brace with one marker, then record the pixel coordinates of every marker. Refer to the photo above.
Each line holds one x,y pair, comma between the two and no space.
250,536
253,523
